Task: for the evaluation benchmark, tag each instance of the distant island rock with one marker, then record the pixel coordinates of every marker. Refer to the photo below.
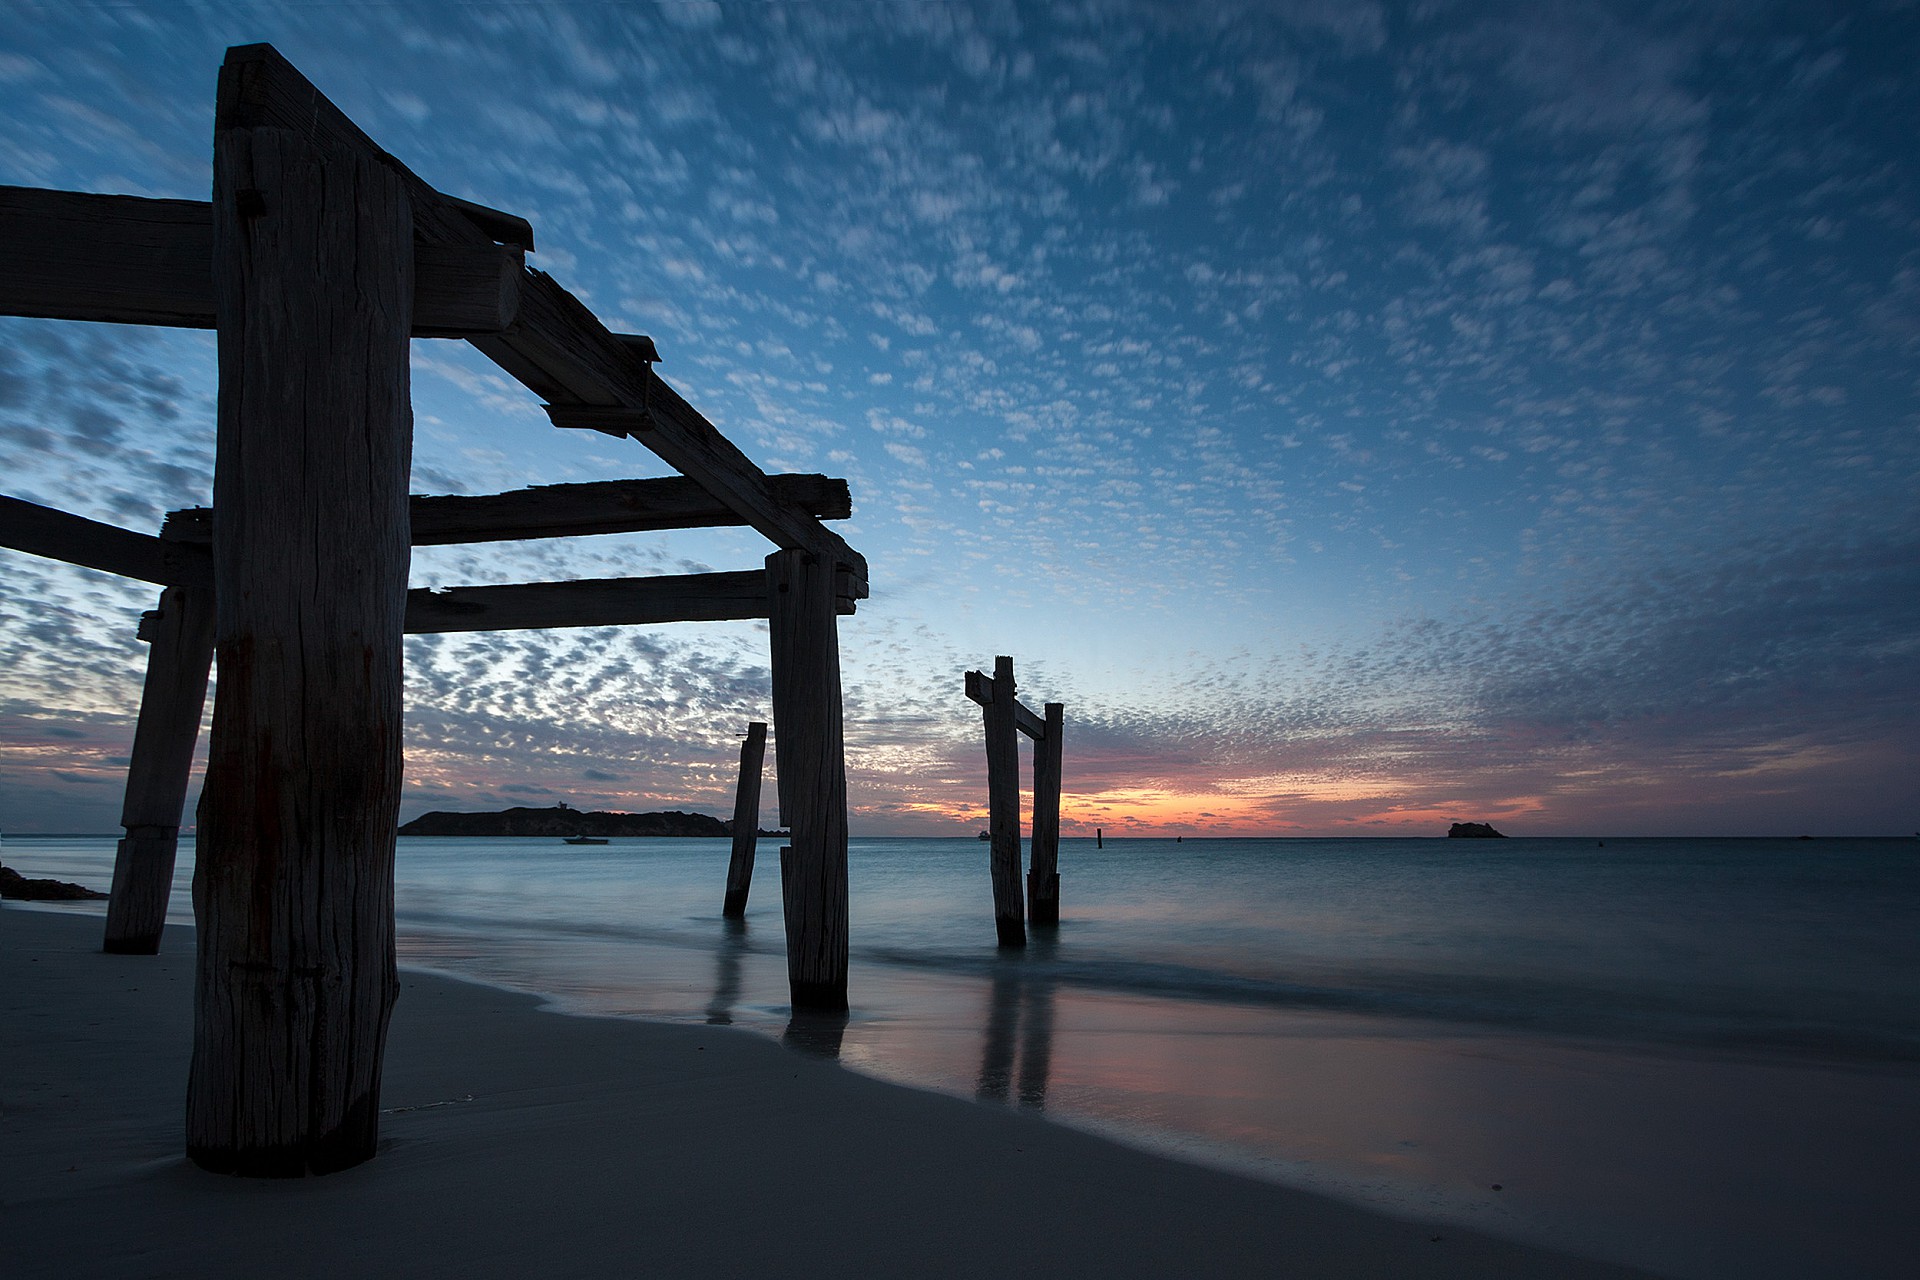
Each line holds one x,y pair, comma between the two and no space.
1474,830
18,887
563,821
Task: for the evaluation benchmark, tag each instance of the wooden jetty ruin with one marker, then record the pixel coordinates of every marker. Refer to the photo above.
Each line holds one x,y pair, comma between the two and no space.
317,260
1006,717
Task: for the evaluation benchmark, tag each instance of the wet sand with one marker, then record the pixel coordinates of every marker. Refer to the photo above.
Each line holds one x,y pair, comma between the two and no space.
518,1141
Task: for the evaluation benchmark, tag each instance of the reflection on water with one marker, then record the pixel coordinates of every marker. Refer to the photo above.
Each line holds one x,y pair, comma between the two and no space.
726,960
1016,1050
1241,1020
815,1033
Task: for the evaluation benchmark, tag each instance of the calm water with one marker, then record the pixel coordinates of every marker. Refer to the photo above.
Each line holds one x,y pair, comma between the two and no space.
1699,1055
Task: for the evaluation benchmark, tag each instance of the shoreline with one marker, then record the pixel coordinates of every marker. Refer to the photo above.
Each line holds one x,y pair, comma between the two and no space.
515,1138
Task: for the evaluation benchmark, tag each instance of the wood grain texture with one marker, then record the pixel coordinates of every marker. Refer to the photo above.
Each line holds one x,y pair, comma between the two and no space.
293,887
1043,877
1003,805
179,633
70,255
567,510
810,758
746,821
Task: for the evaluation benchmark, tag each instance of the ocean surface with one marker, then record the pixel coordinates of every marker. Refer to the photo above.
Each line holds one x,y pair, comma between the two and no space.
1701,1056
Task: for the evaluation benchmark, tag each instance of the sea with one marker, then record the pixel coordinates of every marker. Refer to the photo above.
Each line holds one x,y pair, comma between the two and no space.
1699,1056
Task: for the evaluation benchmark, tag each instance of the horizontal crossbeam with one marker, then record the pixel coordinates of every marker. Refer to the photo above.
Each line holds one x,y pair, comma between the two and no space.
572,510
67,255
591,602
980,689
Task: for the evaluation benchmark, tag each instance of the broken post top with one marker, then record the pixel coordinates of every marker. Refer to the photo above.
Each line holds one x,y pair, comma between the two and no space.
986,690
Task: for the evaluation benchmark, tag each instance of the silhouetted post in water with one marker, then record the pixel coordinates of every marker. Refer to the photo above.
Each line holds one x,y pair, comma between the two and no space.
746,821
180,635
1099,840
293,889
810,757
996,699
1006,718
1043,877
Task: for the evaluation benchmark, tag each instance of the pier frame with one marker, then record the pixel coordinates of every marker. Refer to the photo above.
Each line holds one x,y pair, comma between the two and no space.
1005,717
317,260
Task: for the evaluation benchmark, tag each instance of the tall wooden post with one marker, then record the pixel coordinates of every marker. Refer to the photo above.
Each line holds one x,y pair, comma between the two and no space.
1043,878
810,756
313,283
180,637
746,822
1003,805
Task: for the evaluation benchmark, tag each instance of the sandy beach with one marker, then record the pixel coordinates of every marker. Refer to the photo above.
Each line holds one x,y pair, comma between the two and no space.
517,1141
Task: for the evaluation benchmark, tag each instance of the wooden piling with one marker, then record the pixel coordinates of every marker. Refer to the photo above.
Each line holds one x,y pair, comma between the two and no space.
1003,805
810,758
746,822
1043,877
180,637
313,282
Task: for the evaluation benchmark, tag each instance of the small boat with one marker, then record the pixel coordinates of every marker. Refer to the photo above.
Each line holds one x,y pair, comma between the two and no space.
986,835
586,839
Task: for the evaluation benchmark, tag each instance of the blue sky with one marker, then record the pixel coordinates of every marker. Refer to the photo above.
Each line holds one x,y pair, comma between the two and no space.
1362,417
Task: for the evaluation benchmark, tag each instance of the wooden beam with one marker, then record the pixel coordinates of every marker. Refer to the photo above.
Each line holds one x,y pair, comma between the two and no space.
1003,802
180,638
746,818
810,756
67,255
980,689
1043,873
590,602
558,348
60,535
579,360
572,510
293,883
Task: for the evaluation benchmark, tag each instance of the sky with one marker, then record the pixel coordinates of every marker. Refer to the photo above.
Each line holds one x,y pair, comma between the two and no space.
1362,417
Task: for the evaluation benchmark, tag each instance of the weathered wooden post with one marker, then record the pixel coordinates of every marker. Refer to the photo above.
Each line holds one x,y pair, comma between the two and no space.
313,282
1043,876
1003,804
810,756
746,821
179,634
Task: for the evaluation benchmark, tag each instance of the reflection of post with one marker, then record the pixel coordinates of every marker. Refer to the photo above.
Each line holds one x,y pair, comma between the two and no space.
1043,879
810,756
726,986
1036,1043
181,634
996,1053
746,821
818,1032
1003,805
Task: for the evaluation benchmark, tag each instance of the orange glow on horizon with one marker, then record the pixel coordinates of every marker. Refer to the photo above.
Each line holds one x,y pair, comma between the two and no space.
1300,807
